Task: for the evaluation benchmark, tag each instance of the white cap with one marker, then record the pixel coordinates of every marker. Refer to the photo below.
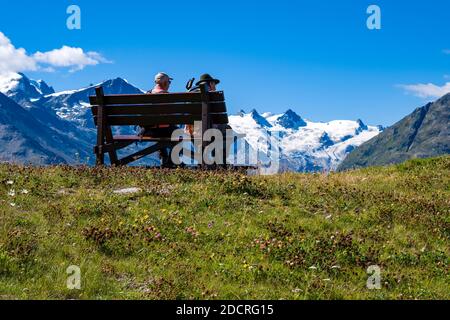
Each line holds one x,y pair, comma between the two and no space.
161,77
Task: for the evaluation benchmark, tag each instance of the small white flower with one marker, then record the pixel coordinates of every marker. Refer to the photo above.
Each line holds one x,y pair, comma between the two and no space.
335,267
10,182
12,204
328,216
12,193
313,267
296,290
25,191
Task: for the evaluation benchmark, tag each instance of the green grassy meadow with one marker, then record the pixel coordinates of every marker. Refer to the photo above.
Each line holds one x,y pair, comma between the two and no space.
224,235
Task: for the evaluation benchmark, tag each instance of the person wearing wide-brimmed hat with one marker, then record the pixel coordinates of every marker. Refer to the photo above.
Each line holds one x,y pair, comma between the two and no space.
206,78
211,84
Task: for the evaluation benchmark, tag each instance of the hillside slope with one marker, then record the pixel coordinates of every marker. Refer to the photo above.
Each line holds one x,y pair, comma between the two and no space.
219,235
28,139
424,133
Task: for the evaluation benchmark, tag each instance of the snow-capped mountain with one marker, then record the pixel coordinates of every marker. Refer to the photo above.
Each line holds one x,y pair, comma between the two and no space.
304,145
290,120
74,105
34,134
21,89
25,138
27,93
64,115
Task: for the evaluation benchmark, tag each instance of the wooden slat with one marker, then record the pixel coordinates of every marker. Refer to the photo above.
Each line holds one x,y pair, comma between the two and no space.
217,118
133,99
134,138
166,109
131,138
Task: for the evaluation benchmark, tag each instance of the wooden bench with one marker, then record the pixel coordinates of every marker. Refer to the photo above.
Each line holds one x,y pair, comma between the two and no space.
150,110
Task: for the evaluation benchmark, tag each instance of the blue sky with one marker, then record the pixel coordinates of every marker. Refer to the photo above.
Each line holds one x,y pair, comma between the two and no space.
315,57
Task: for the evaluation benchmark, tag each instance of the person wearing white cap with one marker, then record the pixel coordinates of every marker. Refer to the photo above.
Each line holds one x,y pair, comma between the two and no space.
162,83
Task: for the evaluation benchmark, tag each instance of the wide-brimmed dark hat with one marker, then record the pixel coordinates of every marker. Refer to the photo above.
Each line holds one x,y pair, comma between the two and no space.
207,78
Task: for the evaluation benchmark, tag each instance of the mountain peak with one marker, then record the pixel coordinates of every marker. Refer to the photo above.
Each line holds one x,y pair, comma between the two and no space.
361,126
291,112
361,123
445,99
9,82
117,80
19,87
118,86
259,119
291,120
42,87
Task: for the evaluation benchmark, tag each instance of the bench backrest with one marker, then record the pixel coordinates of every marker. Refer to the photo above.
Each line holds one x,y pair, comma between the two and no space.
154,109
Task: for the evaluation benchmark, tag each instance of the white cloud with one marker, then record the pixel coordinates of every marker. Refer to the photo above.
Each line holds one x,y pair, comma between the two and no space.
74,58
16,60
428,90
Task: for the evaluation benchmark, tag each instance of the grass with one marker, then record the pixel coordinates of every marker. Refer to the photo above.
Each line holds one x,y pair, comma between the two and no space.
218,235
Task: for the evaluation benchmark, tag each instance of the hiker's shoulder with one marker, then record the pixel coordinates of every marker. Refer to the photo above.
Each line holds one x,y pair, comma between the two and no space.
156,91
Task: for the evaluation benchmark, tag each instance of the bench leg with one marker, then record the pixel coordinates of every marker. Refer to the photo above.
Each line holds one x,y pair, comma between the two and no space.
112,153
100,156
